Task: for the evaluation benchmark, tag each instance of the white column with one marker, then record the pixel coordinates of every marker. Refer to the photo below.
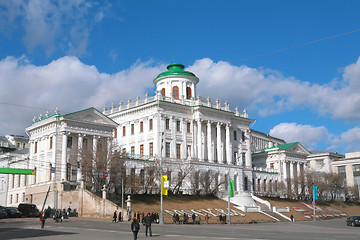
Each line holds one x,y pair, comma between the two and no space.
193,144
218,143
292,185
199,141
80,146
184,137
285,176
228,145
95,141
173,134
155,132
136,134
53,162
298,177
209,147
183,89
63,156
248,149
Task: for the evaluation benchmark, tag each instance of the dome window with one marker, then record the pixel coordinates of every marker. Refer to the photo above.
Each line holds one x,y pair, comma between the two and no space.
188,93
175,92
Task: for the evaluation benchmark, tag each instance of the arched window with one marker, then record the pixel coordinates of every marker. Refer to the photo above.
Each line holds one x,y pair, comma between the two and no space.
163,92
188,93
175,92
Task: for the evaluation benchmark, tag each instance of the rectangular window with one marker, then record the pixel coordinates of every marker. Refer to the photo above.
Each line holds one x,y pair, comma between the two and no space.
272,165
23,197
188,152
132,129
10,198
24,145
115,133
85,143
150,124
124,131
36,145
235,157
141,150
178,126
132,151
25,181
19,180
50,168
167,123
35,175
243,136
151,150
13,181
141,126
235,137
17,198
356,169
178,151
342,171
51,142
68,171
69,142
167,150
243,156
188,127
18,145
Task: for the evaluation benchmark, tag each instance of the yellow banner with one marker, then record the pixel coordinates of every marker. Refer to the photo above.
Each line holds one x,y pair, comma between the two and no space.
164,191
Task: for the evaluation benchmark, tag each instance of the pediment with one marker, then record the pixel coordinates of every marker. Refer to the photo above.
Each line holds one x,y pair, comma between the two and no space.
298,148
90,115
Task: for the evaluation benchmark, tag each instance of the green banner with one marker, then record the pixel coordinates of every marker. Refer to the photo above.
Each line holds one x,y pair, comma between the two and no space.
232,188
17,171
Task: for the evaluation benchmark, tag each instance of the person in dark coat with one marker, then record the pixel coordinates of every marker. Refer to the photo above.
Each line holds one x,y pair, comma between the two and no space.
148,221
114,216
120,219
193,216
135,227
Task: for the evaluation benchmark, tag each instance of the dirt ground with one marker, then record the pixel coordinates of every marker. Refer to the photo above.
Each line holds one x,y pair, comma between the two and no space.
146,203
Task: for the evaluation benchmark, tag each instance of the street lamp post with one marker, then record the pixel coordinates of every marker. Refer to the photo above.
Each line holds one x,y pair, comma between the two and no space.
161,194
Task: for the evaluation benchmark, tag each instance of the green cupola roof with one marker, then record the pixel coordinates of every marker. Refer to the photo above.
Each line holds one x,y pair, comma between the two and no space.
175,69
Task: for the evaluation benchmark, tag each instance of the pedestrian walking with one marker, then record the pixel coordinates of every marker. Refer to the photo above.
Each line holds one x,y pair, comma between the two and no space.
193,216
207,218
120,218
135,227
114,216
148,221
42,219
292,218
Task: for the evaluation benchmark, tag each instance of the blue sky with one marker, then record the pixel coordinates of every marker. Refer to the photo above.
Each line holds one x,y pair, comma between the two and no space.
76,54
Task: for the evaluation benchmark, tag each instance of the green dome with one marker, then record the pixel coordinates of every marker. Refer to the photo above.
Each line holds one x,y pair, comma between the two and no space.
175,69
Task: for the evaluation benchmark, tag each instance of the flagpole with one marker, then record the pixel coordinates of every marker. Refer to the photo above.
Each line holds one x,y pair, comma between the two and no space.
229,221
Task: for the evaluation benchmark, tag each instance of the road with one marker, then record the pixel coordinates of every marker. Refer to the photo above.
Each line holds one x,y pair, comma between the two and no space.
100,229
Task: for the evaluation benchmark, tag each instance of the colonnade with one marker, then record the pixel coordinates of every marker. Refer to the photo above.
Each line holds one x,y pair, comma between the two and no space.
211,141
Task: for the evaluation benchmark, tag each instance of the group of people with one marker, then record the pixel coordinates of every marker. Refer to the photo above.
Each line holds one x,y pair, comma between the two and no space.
58,215
146,221
117,216
185,219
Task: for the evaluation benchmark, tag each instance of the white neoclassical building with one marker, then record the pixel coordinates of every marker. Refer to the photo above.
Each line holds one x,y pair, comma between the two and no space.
176,127
54,144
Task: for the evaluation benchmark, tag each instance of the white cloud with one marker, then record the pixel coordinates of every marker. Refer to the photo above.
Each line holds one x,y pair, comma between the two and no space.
308,135
350,140
48,24
268,92
66,83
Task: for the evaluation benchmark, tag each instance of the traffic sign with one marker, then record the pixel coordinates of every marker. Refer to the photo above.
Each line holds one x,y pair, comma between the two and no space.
106,174
315,192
